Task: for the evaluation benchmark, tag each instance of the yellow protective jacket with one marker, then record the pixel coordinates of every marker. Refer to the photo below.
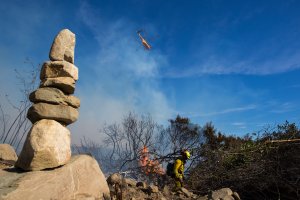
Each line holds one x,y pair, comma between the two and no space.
179,168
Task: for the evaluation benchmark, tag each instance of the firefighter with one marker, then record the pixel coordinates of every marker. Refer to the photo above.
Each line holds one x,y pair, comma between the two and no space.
179,168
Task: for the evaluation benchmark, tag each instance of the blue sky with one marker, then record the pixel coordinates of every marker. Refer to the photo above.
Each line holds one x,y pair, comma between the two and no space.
235,63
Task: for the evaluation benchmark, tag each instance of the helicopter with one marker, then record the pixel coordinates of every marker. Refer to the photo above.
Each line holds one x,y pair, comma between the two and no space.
146,45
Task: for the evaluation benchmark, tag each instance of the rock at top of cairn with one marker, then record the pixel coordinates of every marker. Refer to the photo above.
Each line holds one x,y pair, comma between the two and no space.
63,46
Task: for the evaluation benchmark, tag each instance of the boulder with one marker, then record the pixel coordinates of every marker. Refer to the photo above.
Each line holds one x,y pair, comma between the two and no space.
236,196
186,192
228,198
141,184
166,190
114,179
8,153
47,145
66,84
203,197
53,69
80,178
61,113
222,193
130,182
53,96
153,189
63,46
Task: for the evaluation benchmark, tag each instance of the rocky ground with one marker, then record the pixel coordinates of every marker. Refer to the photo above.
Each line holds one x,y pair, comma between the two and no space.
82,179
128,189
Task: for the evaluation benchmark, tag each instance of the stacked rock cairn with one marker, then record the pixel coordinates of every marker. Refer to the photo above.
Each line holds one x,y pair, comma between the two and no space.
48,143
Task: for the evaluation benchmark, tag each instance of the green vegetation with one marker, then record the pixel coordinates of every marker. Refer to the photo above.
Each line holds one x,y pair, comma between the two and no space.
265,167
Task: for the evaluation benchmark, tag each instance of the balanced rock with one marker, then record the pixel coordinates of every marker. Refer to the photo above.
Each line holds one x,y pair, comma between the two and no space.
7,153
53,96
47,146
53,69
61,113
81,178
63,46
66,84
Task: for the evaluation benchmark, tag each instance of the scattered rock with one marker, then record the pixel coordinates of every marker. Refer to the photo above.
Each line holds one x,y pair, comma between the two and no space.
66,84
61,113
141,185
152,192
63,46
53,96
53,69
236,196
166,190
203,198
8,153
153,189
181,196
114,179
163,198
224,193
186,192
130,182
81,177
227,198
47,146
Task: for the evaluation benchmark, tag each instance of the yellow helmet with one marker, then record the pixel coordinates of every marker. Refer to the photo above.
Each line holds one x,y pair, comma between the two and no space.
187,154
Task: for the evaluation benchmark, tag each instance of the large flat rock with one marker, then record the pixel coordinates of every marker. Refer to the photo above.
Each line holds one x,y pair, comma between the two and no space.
61,113
53,69
80,178
53,96
65,84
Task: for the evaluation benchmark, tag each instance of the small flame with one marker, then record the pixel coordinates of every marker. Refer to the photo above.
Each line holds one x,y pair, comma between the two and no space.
149,166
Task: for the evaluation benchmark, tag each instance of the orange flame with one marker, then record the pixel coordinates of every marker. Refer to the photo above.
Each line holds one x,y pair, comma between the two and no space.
149,166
